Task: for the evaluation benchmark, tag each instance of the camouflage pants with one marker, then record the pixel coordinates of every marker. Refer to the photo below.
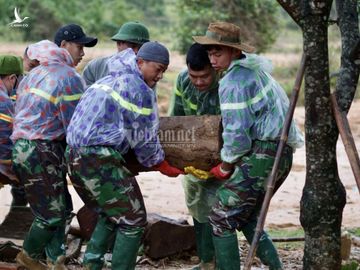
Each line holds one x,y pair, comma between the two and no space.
41,168
200,196
239,200
102,181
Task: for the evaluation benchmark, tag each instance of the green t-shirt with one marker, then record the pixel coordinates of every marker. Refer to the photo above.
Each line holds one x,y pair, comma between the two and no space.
187,100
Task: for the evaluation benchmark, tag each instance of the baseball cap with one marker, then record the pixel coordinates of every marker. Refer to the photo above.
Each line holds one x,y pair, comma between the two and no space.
74,33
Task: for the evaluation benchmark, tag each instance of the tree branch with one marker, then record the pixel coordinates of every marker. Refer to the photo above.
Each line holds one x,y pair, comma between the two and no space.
349,71
292,7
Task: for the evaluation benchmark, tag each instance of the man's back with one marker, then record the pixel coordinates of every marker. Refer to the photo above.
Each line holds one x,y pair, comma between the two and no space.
95,70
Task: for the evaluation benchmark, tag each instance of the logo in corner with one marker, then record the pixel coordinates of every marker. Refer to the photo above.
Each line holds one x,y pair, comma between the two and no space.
18,22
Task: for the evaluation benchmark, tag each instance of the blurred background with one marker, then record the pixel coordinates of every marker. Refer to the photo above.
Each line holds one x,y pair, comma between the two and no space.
265,25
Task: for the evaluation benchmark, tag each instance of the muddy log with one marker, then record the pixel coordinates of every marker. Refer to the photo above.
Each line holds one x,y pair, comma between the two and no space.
187,140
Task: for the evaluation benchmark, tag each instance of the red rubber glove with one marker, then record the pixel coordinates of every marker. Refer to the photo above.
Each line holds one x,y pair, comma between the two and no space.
220,173
165,168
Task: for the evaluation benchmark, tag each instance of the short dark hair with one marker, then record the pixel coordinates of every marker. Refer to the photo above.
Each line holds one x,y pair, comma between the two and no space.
197,58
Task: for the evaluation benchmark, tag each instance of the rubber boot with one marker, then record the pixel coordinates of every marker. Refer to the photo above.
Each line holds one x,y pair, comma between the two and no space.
98,244
227,252
26,261
266,250
204,246
125,250
37,239
55,248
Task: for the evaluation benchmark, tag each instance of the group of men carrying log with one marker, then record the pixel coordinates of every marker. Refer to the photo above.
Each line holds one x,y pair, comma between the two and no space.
63,123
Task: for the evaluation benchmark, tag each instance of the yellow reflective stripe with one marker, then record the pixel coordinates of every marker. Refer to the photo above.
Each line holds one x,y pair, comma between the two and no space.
43,94
187,101
6,117
178,93
5,161
72,97
190,104
53,99
124,103
13,97
247,103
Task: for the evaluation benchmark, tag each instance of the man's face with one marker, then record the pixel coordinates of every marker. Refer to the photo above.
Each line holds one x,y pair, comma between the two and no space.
151,71
29,64
221,57
202,79
123,45
10,82
76,50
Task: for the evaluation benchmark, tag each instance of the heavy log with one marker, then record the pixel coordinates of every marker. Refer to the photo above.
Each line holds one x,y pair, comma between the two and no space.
187,141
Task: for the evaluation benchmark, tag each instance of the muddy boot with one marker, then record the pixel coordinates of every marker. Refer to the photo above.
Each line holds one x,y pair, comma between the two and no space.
24,260
37,238
227,252
204,246
125,250
98,244
266,250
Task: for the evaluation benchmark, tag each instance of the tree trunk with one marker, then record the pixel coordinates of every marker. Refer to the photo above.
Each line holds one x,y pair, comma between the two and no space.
323,196
349,71
187,141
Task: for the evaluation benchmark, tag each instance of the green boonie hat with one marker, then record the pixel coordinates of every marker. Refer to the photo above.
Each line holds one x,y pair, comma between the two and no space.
134,32
11,64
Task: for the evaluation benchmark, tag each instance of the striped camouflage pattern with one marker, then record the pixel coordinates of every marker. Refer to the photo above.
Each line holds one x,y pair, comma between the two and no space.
239,200
102,181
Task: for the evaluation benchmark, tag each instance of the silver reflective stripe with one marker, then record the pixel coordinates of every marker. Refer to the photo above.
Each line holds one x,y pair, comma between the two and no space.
247,103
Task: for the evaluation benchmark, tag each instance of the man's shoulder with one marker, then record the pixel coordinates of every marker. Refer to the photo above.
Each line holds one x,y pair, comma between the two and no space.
183,80
97,62
239,73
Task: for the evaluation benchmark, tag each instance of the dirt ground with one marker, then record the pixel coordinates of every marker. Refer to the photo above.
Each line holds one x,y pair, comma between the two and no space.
165,195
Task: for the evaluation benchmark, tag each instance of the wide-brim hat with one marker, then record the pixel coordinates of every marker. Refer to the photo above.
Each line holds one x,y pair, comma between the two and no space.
224,34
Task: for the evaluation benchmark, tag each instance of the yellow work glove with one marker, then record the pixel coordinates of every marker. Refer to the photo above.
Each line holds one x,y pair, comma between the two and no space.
204,175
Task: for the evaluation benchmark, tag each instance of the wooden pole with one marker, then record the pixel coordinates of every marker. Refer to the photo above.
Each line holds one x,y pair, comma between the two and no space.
273,175
347,138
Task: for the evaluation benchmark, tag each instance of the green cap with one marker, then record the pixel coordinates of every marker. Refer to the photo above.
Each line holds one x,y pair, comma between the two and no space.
134,32
10,64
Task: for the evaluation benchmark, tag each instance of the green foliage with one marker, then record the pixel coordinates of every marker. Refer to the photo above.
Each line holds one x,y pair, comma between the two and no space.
99,18
169,21
351,266
257,18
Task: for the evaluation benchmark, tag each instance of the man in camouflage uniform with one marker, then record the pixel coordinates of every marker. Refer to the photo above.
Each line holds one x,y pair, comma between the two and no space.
116,114
10,69
196,93
253,108
47,99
